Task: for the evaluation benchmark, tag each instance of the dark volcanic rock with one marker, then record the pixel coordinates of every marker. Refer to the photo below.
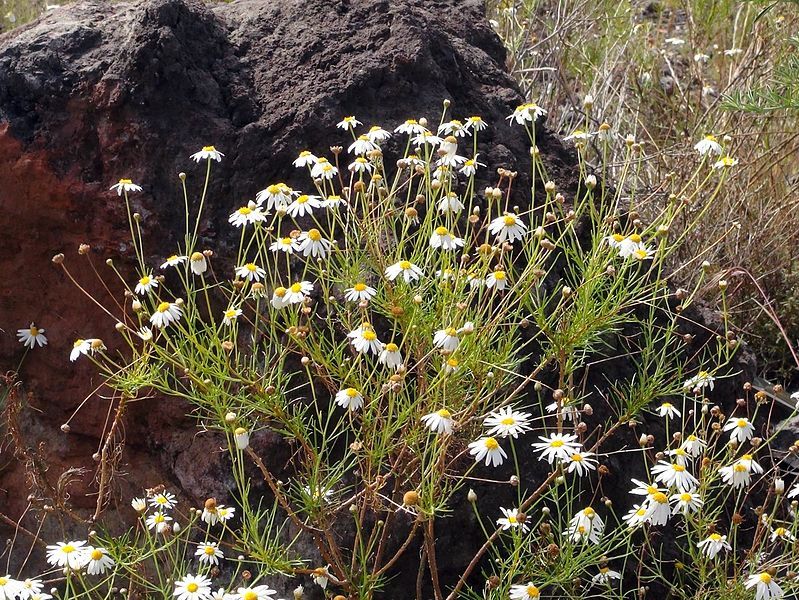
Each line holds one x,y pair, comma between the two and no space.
98,91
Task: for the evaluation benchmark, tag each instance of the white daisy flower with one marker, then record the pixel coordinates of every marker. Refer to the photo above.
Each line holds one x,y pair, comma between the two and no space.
10,588
193,587
524,113
286,244
741,429
146,285
278,300
124,186
636,516
139,505
498,279
323,169
31,336
725,162
80,347
569,412
782,533
209,553
708,145
579,135
364,339
411,127
508,227
713,544
30,588
642,253
765,587
305,159
230,315
739,473
454,127
469,167
298,292
525,592
439,422
225,513
667,409
693,446
259,592
390,356
409,271
360,165
442,238
507,422
277,196
378,134
586,526
250,272
681,456
580,462
349,398
247,215
303,205
451,365
450,204
348,123
604,576
98,561
208,152
674,474
361,146
426,138
174,261
701,380
313,244
321,576
333,202
487,448
511,520
166,313
360,292
558,446
686,502
198,263
67,554
446,339
164,500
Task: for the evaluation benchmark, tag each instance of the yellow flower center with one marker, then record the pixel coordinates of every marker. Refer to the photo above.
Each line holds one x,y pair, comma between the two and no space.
556,443
33,331
635,238
351,392
77,343
680,452
192,587
96,554
710,138
491,443
296,288
441,231
444,414
163,307
660,498
780,531
617,237
532,591
314,235
686,497
68,549
508,421
509,220
452,362
370,336
739,468
197,256
159,518
577,457
512,519
245,210
251,267
742,423
145,280
302,199
715,537
746,457
765,578
359,287
451,331
249,595
391,347
280,292
589,512
640,512
499,275
210,550
411,122
651,489
125,181
230,314
405,265
208,149
678,468
3,581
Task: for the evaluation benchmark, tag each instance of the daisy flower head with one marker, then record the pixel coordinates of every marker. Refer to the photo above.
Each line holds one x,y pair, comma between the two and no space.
198,263
163,501
277,196
644,489
636,516
247,215
451,365
193,587
507,422
209,553
349,398
174,261
527,113
674,474
765,586
209,153
701,380
31,336
568,412
526,591
250,272
713,544
781,533
476,123
10,588
725,162
498,279
139,505
32,587
98,561
285,244
657,509
442,238
361,146
305,159
298,292
409,271
303,205
487,448
667,409
360,292
605,575
278,300
230,315
360,165
166,313
348,123
321,576
450,204
630,245
580,462
125,186
454,127
469,167
708,145
313,244
390,356
364,339
642,253
259,592
558,446
377,134
738,474
411,127
512,518
586,526
225,513
323,170
693,445
446,339
67,554
508,228
681,456
579,135
158,521
146,285
741,429
686,502
80,347
439,422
